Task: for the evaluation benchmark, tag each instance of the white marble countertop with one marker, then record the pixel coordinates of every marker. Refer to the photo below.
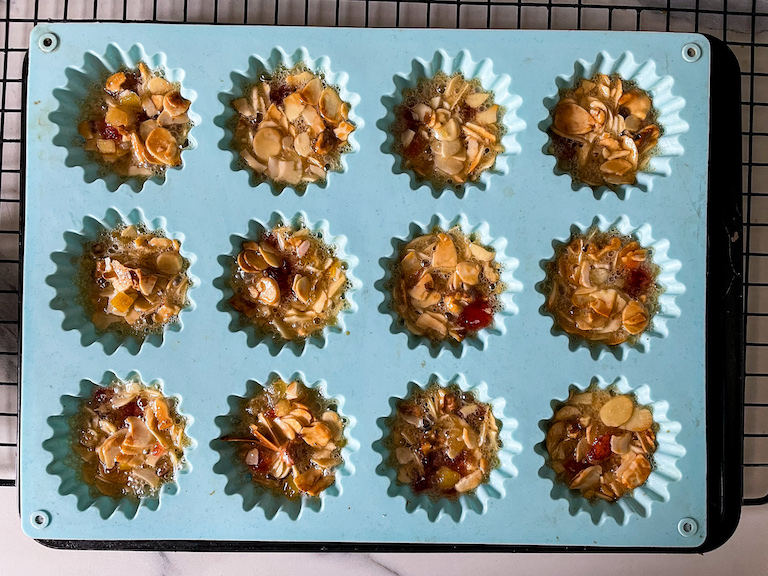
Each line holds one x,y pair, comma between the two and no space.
745,554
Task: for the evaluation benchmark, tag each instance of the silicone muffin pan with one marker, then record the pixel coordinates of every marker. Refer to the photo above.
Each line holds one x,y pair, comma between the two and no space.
521,365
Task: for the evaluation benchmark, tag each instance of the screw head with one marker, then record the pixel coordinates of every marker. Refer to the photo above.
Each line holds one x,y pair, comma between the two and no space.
48,42
691,52
40,519
687,527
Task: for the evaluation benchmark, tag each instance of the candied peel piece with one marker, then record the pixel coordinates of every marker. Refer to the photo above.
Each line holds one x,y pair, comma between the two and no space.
293,129
442,441
137,123
290,437
289,284
601,443
445,285
448,130
601,286
130,438
604,131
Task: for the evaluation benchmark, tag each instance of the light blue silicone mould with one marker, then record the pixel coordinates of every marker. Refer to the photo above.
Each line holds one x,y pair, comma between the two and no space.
525,204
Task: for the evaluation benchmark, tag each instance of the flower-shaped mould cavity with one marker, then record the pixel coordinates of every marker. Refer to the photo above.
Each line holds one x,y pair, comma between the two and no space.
255,336
664,460
668,106
259,66
238,475
67,465
81,83
69,295
508,265
497,84
476,501
670,288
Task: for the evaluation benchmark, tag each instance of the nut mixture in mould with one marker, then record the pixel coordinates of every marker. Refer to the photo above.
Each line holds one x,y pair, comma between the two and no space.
292,128
130,439
447,130
601,443
443,442
604,131
602,287
289,283
446,286
290,437
133,281
137,123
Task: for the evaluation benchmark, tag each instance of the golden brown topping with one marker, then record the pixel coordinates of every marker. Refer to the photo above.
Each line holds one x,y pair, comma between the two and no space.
291,438
448,130
602,286
601,134
288,284
443,442
292,128
134,281
137,124
130,438
446,286
600,443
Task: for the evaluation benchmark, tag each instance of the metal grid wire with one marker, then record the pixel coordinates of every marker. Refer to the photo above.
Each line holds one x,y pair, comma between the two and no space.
743,24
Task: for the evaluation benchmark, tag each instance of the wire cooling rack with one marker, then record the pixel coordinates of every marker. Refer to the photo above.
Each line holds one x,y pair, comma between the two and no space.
742,24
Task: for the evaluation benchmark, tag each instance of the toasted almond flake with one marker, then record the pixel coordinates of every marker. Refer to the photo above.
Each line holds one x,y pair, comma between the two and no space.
267,142
343,131
487,116
162,147
294,106
302,144
444,255
476,99
641,420
617,410
159,85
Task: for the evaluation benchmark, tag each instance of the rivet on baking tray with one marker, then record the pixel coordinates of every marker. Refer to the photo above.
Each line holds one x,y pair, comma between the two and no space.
48,42
40,519
691,52
687,527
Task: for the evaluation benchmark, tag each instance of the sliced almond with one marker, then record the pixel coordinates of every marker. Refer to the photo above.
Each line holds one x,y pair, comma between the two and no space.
311,91
269,292
251,261
617,410
477,99
641,420
244,107
162,146
174,103
115,82
570,118
169,262
146,128
301,288
343,131
448,131
293,106
271,255
480,253
444,255
158,85
330,105
302,144
488,116
267,143
469,272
